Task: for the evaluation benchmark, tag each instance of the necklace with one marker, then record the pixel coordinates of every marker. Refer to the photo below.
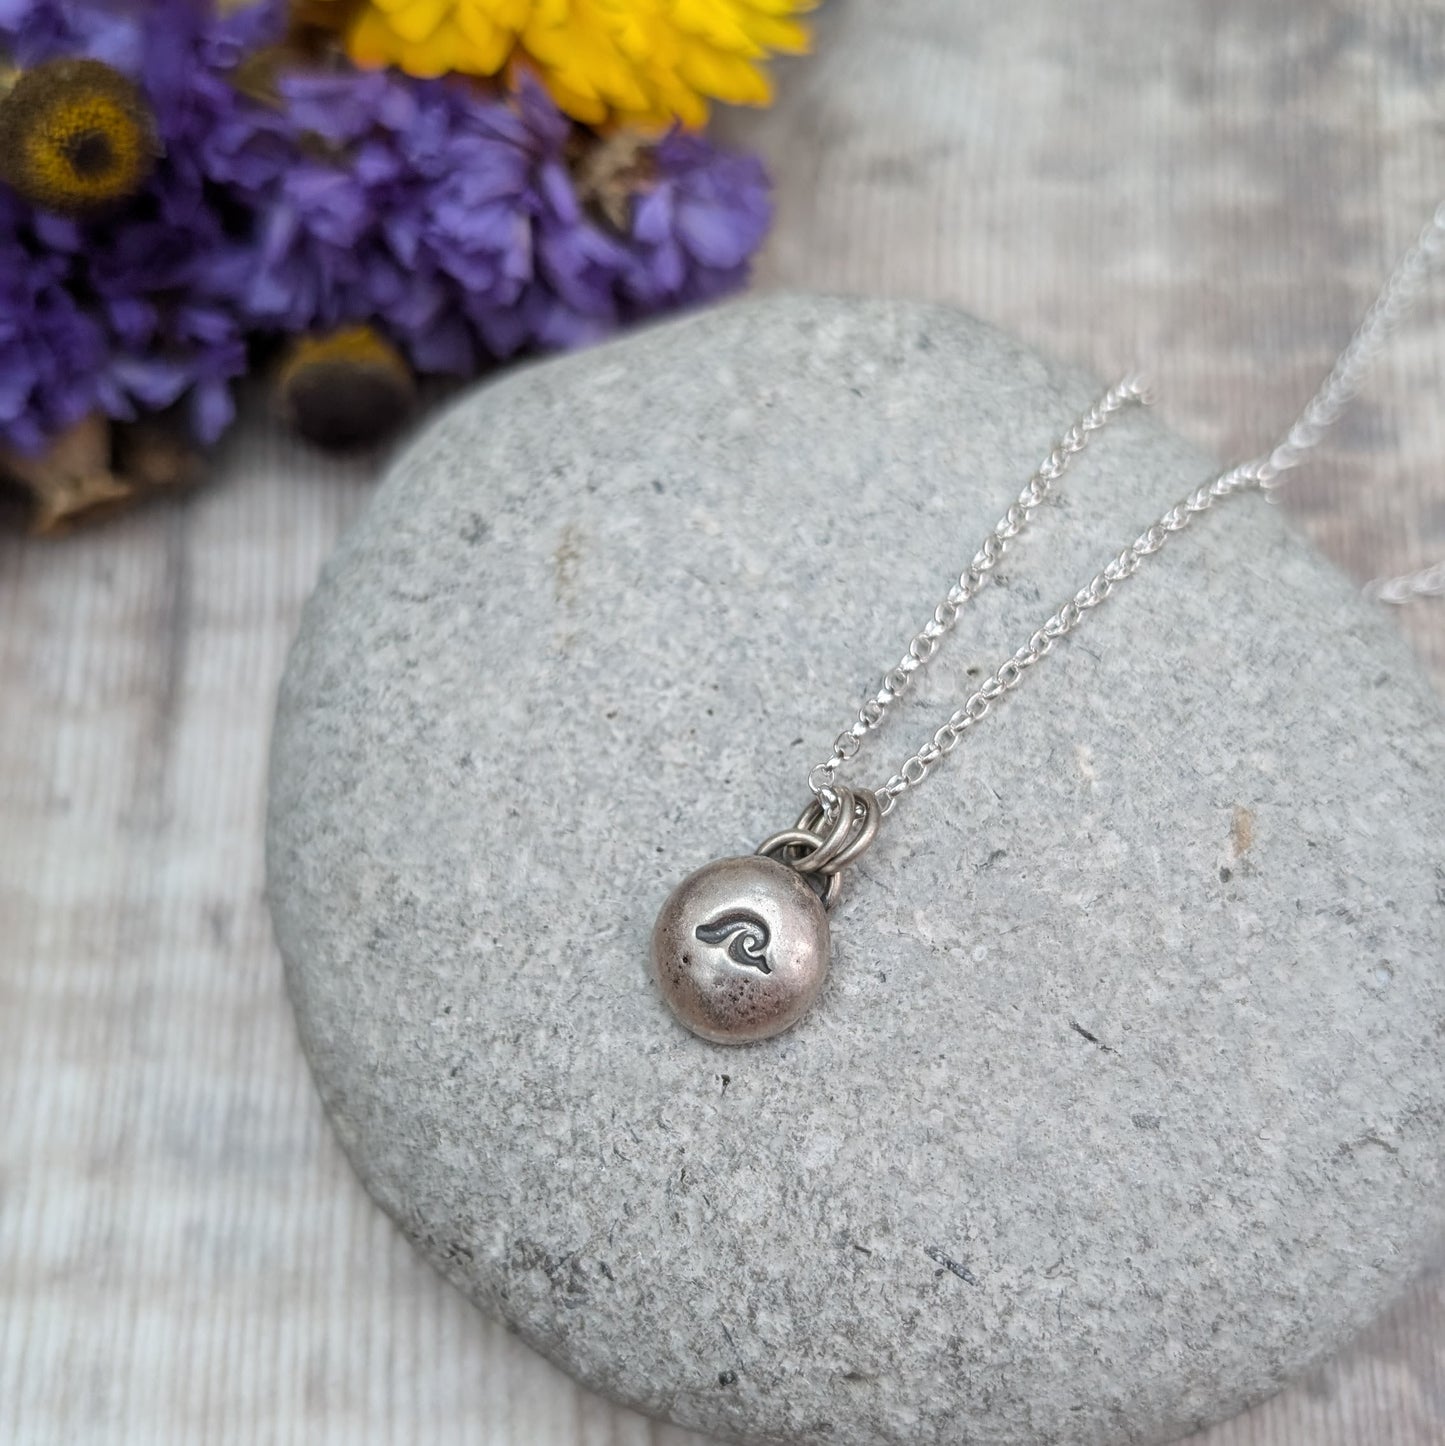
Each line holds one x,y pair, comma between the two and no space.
741,947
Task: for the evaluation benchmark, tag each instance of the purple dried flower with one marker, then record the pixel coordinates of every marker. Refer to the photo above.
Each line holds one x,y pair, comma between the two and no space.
51,352
508,225
695,231
34,31
451,218
138,310
441,213
161,321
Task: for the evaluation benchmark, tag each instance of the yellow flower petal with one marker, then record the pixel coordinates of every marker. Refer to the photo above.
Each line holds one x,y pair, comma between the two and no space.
509,14
782,7
639,61
720,25
487,42
787,37
710,72
589,109
372,43
417,20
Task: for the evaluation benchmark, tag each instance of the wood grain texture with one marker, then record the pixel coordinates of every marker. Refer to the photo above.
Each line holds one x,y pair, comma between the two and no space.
1212,187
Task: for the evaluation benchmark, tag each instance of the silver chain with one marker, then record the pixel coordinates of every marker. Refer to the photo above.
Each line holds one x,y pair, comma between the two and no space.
1262,473
1397,591
1129,392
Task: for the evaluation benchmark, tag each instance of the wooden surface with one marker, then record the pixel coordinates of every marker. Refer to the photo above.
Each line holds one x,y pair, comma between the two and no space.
1212,187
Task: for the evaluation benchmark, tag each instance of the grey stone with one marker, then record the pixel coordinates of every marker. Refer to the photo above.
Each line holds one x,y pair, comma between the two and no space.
1123,1103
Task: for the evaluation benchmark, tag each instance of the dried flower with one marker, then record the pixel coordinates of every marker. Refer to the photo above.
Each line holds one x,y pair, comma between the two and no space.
52,350
135,312
695,228
71,478
182,56
345,389
642,61
94,467
453,223
506,226
76,136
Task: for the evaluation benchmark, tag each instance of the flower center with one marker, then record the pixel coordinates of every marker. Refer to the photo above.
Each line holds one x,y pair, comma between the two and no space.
91,154
76,135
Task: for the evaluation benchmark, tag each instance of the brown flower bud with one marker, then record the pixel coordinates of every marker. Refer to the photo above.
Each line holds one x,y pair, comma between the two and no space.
346,388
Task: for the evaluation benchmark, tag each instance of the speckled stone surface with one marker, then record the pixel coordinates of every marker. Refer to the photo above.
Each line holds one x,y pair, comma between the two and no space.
1124,1101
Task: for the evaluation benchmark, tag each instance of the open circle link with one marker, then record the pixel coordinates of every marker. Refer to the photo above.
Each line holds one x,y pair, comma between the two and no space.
793,839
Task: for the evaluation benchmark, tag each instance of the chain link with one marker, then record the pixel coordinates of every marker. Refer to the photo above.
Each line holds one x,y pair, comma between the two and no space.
1131,391
1263,473
1397,591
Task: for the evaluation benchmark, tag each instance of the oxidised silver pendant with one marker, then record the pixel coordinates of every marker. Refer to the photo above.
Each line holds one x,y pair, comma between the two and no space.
741,947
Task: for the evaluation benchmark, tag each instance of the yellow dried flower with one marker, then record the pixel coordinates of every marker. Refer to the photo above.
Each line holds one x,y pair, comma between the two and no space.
639,61
75,135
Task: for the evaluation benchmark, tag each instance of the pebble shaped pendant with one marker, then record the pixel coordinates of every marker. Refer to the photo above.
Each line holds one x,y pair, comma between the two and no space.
741,949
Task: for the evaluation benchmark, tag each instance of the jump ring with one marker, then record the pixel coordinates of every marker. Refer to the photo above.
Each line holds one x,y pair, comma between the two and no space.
790,838
862,836
821,861
860,833
802,838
